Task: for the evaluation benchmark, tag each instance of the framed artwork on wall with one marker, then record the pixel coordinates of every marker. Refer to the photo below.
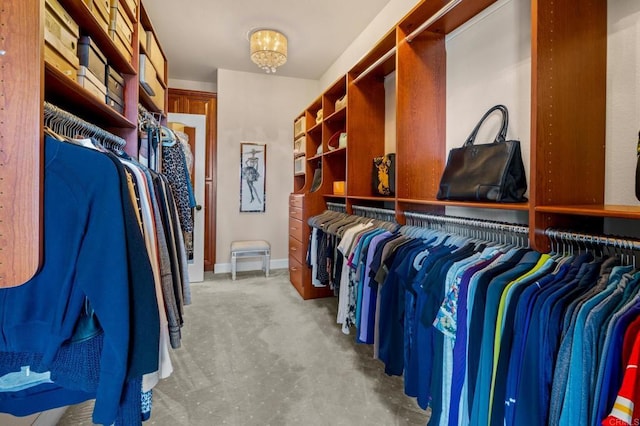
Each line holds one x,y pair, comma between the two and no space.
253,163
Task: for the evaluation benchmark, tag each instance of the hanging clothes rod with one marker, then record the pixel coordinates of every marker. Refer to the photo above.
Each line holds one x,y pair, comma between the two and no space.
153,117
415,218
371,67
577,238
337,207
439,14
67,124
375,213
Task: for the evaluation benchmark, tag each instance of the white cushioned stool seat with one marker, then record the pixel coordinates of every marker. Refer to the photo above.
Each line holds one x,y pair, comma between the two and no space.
250,248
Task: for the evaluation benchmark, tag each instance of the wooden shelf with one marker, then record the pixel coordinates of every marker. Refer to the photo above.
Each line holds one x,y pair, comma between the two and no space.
335,196
600,210
68,94
368,198
469,204
80,12
335,152
339,115
386,44
316,128
147,102
449,22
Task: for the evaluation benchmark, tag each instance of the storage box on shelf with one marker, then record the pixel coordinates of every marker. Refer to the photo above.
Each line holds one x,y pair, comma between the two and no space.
61,34
155,55
92,83
121,28
92,58
299,126
153,90
130,7
101,11
115,90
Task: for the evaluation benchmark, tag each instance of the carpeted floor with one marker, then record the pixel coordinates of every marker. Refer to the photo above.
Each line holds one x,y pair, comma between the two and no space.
254,353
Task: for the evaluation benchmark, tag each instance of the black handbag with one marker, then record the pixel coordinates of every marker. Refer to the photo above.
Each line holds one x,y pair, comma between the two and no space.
383,175
485,172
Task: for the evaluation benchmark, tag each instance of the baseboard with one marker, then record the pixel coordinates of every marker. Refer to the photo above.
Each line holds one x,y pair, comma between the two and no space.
249,265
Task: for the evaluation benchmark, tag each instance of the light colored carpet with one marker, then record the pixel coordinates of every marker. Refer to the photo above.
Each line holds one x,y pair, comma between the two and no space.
254,353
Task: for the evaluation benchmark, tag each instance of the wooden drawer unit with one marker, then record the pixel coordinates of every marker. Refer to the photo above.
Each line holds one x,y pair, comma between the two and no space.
296,201
296,274
295,212
297,250
296,229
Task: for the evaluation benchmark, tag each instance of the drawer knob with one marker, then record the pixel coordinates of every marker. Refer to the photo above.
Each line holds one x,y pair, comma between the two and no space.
294,269
3,52
294,249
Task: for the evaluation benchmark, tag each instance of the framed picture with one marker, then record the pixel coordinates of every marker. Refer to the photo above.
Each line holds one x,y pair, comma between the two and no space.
253,163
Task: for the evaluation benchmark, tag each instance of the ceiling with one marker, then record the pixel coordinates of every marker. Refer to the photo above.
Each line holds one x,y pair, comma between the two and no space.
200,36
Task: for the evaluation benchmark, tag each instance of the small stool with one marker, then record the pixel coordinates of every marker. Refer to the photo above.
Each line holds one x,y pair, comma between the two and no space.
250,248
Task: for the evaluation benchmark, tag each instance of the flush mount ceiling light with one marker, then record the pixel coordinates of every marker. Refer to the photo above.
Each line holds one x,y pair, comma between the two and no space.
268,49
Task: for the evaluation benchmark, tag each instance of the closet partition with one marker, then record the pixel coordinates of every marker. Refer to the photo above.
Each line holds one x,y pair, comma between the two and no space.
21,147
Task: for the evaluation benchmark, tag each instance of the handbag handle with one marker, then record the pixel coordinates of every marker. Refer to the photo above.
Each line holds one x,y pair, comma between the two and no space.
331,143
502,133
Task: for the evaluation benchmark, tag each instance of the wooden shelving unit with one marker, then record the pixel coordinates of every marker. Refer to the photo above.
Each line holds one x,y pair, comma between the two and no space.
27,81
568,117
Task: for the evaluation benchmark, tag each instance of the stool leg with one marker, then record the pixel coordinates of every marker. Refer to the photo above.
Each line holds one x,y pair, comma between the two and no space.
233,266
267,261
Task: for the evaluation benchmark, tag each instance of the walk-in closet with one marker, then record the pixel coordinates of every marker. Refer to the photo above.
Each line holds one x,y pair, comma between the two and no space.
374,212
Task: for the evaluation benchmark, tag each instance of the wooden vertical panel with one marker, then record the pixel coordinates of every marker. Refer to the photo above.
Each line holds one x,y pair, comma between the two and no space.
421,116
365,130
568,112
131,92
21,144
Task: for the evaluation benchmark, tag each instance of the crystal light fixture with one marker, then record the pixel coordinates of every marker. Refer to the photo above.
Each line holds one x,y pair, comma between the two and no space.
268,49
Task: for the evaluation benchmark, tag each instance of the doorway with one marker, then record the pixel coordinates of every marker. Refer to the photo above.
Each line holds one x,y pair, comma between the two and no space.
203,103
194,127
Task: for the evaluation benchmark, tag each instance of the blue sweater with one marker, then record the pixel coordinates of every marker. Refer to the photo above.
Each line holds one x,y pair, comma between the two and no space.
84,255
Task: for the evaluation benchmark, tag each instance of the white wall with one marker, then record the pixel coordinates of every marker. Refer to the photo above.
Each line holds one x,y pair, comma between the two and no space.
257,108
489,63
623,100
202,86
388,17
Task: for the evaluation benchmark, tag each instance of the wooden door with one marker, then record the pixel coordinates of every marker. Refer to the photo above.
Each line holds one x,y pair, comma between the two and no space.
205,103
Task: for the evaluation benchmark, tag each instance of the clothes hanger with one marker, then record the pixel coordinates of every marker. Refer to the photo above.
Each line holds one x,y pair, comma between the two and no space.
167,137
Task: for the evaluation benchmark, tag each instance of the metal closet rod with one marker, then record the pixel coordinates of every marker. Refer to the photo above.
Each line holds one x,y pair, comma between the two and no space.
150,115
439,14
387,214
371,67
467,222
62,117
337,207
601,240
